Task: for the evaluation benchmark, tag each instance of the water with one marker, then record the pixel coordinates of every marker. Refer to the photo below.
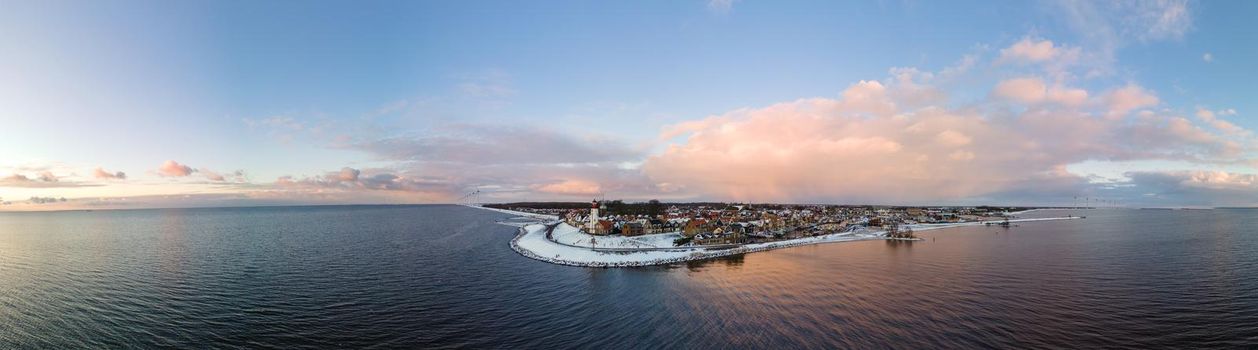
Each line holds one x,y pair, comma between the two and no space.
444,277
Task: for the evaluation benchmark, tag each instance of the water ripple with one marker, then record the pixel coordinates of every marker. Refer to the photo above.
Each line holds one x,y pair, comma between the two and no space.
444,277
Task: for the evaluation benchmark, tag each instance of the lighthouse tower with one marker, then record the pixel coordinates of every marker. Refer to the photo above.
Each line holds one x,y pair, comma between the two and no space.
593,217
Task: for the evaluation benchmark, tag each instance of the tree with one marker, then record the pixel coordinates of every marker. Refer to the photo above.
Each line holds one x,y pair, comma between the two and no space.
654,208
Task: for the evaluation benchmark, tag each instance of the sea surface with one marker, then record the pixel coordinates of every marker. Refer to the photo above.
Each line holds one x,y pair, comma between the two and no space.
445,277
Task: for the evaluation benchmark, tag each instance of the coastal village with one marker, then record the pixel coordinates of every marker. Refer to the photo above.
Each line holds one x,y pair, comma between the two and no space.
716,224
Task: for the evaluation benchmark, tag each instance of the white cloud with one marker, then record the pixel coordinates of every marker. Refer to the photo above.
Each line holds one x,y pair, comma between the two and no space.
1156,19
1208,57
720,6
1106,26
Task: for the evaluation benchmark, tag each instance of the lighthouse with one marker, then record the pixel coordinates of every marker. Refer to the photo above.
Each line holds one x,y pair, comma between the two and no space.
593,217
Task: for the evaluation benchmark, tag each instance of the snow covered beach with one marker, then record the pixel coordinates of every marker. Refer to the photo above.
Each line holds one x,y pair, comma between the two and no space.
560,243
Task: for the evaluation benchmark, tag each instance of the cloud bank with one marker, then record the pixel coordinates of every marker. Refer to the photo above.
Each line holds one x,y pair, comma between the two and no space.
874,144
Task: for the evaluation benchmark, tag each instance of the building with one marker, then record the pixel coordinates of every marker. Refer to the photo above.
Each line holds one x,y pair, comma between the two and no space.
696,226
603,227
632,229
593,226
653,226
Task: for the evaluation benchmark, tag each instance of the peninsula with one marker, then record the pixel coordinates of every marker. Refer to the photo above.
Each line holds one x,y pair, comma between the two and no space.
618,234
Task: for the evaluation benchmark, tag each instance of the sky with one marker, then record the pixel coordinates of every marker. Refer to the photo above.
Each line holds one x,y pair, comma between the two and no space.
142,104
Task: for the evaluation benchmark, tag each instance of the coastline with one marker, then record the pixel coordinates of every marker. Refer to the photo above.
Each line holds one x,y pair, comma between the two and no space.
531,241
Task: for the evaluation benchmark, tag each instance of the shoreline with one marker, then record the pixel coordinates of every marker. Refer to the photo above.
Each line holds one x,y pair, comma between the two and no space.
532,242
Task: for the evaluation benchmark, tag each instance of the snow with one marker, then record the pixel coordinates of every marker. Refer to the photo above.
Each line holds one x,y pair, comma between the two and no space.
532,242
569,235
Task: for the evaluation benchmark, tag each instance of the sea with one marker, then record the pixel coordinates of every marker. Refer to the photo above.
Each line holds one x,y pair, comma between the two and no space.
444,276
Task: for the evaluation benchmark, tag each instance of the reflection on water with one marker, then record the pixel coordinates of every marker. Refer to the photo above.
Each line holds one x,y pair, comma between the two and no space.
444,276
732,261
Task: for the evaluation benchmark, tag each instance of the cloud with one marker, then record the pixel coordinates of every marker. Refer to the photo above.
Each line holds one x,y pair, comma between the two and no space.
511,163
171,168
482,144
1210,117
213,176
570,187
1024,90
490,89
105,175
1123,100
1031,91
276,122
1030,50
720,6
952,138
44,179
237,176
1208,57
46,200
1220,180
1106,26
348,174
174,169
350,180
900,139
1192,188
1157,19
1111,21
868,146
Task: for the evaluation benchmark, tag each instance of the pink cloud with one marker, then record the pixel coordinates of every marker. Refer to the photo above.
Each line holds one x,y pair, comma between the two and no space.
348,174
842,149
1128,98
1031,91
1024,90
44,179
105,175
1220,180
1210,117
1030,50
571,187
811,149
174,169
235,176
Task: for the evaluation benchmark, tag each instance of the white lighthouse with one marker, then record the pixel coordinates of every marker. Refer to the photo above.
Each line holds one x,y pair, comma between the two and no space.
593,226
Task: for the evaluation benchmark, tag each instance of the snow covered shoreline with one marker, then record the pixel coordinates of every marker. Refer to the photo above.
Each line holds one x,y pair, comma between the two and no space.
531,241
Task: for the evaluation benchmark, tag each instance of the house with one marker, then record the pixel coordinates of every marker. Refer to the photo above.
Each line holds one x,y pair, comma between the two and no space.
773,222
654,226
696,226
632,229
721,235
602,227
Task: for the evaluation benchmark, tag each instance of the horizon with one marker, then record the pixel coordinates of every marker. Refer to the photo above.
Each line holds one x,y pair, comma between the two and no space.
151,105
255,206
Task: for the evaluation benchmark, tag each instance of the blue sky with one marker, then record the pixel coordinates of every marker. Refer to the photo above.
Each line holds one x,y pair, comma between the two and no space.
440,98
